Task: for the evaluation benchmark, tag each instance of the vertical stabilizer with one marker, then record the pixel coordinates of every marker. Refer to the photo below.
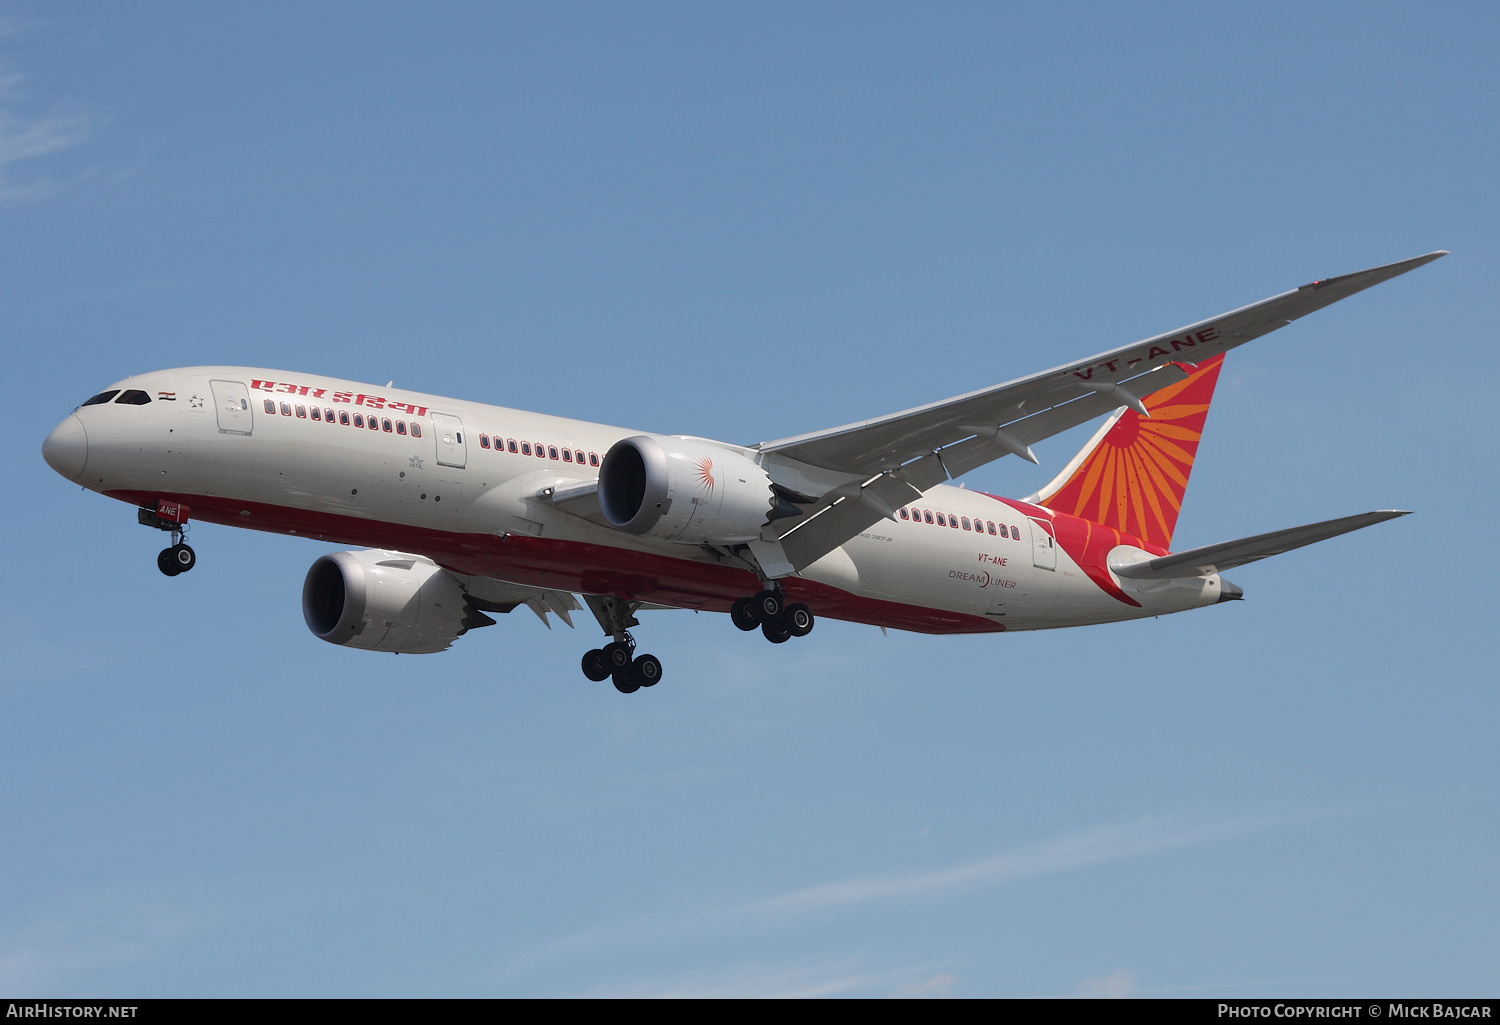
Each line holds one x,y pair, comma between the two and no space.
1132,474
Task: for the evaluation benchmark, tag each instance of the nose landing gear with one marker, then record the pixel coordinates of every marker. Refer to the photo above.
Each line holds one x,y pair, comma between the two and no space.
172,517
777,620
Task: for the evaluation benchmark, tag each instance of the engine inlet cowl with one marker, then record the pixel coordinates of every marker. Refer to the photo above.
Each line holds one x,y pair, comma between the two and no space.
383,601
683,489
634,485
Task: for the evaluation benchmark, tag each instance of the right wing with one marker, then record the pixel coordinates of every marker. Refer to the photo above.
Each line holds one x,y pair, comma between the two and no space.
891,460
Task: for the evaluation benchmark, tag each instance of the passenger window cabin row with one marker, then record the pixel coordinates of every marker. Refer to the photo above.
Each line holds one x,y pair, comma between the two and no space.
949,520
497,444
344,417
527,448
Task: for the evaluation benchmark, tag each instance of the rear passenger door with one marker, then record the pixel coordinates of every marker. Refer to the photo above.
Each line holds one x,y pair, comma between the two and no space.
448,432
1044,548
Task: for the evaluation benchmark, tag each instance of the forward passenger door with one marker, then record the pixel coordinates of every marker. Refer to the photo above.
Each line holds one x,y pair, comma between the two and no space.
232,402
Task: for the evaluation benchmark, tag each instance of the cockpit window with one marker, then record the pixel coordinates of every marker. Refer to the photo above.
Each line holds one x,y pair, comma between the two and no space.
133,397
102,397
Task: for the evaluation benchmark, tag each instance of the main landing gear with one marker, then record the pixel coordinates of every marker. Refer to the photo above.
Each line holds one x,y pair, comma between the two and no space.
618,660
179,558
769,611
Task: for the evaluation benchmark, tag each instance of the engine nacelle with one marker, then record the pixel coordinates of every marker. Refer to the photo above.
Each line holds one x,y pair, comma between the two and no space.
384,601
683,489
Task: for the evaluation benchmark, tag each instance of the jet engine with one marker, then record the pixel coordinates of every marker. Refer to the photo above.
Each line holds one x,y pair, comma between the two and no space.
683,489
386,601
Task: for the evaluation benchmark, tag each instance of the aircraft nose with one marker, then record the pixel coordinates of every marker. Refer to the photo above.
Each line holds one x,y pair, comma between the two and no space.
67,448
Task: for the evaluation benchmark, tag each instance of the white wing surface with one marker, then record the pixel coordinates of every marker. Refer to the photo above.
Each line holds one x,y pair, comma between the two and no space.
896,458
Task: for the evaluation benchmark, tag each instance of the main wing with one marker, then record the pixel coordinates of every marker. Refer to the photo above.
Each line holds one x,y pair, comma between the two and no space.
896,458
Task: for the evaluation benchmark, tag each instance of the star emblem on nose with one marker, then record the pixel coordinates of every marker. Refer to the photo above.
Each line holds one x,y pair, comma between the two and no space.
195,402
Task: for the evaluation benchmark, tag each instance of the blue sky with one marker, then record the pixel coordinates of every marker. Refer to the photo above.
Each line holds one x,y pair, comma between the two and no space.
746,222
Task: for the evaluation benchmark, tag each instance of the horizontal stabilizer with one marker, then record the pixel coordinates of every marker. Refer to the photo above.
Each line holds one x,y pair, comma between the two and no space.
1229,554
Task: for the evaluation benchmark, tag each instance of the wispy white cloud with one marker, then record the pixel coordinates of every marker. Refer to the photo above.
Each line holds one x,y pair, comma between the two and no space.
59,946
26,138
832,979
1093,847
681,920
1114,986
21,139
939,985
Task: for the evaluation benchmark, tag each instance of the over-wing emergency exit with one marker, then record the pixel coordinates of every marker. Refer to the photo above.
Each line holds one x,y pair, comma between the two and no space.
462,511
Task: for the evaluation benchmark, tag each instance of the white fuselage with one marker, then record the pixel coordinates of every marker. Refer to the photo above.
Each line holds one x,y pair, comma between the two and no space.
463,484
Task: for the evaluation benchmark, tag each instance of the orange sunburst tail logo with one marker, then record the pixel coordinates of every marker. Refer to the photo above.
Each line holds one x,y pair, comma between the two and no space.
1132,475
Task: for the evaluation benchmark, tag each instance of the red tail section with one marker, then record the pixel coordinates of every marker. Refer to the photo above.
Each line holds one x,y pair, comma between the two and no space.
1133,473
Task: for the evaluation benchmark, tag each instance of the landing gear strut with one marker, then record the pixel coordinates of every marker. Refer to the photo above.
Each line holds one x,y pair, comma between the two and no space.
618,660
777,620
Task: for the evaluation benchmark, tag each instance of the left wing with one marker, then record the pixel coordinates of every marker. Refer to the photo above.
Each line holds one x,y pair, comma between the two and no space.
894,459
487,594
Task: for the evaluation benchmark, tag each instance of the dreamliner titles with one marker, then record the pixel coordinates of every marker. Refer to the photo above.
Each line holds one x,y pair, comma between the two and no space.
982,579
